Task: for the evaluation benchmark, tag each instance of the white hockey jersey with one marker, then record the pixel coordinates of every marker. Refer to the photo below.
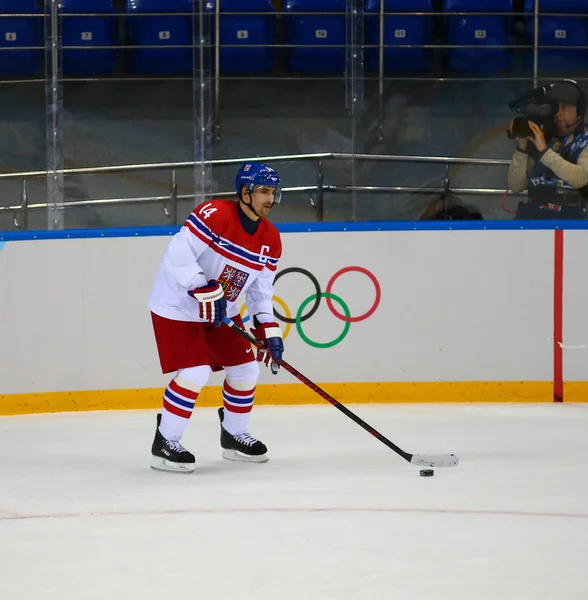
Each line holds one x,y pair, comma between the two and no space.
212,244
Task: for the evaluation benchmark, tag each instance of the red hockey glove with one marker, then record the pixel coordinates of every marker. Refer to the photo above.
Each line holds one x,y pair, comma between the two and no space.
270,335
213,304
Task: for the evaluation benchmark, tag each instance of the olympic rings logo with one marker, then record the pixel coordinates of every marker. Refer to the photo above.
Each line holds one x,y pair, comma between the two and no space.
314,301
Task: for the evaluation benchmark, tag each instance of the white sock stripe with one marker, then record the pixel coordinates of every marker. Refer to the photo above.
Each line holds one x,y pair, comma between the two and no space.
169,398
237,404
241,386
187,410
187,384
240,400
171,395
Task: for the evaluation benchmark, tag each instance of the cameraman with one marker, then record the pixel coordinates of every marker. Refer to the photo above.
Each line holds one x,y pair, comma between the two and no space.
555,170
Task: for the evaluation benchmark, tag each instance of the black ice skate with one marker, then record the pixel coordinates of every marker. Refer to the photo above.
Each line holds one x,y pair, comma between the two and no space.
170,456
242,447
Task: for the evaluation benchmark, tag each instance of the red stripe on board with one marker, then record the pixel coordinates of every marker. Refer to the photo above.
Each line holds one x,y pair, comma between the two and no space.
558,317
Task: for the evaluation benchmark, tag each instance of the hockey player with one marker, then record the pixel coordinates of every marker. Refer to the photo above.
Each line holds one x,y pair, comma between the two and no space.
224,250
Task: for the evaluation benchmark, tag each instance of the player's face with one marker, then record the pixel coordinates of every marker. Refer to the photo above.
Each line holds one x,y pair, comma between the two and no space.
263,199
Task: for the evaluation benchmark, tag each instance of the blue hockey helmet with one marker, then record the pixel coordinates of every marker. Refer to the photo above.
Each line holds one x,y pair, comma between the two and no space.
253,173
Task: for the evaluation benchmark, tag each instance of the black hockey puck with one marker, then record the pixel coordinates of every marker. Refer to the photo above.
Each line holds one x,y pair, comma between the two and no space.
427,472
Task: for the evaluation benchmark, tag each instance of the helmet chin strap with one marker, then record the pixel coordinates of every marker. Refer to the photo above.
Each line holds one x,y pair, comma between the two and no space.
250,205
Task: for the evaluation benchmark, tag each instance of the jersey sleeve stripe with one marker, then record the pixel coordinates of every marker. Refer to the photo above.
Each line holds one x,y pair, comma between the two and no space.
198,225
198,234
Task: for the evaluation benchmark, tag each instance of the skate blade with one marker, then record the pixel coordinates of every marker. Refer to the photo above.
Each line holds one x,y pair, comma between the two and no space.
237,456
161,464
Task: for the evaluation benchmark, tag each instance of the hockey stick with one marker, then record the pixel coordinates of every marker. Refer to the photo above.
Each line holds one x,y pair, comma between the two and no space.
423,460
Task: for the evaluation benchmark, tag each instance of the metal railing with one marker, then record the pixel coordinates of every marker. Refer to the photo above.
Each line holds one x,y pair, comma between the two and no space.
317,190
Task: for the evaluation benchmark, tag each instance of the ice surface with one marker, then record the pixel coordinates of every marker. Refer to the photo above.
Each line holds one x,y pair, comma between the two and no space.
333,515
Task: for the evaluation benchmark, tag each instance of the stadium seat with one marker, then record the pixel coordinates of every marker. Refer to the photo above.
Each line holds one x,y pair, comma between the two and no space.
89,31
244,30
167,29
19,32
399,30
319,30
559,31
483,30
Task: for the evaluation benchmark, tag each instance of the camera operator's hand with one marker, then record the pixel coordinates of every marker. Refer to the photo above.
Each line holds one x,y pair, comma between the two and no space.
521,142
539,138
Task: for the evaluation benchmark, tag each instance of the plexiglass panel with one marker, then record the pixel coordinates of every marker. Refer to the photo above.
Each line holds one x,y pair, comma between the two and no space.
129,112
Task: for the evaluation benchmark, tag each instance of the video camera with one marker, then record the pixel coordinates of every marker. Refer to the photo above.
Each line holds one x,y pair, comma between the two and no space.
534,106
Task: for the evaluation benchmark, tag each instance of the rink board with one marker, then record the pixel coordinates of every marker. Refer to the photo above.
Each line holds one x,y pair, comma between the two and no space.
448,315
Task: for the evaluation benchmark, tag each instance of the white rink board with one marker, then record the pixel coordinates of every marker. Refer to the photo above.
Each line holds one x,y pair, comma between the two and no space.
456,306
575,313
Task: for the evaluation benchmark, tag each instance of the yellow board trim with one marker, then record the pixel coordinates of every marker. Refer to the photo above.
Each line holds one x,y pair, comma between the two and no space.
575,391
291,394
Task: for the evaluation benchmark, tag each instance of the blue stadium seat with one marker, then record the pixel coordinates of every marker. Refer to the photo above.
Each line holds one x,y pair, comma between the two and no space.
89,31
399,31
484,31
319,30
245,31
19,32
168,29
559,31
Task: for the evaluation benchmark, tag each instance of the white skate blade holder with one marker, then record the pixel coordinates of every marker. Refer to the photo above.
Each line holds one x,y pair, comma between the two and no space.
237,456
162,464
